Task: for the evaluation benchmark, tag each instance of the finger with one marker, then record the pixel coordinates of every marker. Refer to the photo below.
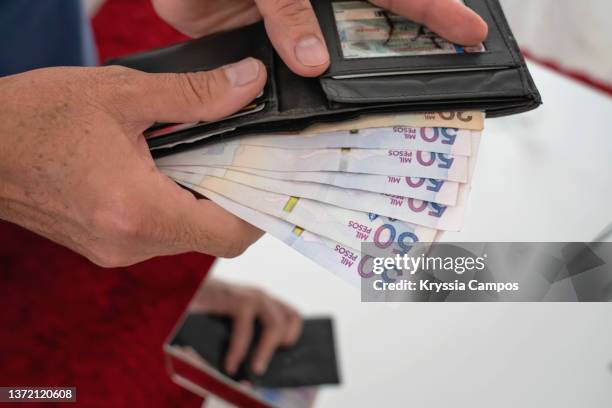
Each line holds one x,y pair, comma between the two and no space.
274,329
294,323
191,97
294,31
197,18
203,226
184,224
242,334
448,18
209,229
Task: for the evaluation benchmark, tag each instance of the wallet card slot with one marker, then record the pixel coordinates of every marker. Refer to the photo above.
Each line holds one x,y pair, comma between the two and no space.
497,54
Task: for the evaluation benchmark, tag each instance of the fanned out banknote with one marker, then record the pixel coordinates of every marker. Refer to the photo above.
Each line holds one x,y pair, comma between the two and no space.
321,190
457,120
337,258
392,180
449,141
344,225
439,191
396,162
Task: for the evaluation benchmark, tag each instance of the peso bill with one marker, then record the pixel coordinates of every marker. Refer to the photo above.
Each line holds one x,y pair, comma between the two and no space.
471,120
407,210
342,197
341,260
346,226
450,141
437,191
426,214
394,162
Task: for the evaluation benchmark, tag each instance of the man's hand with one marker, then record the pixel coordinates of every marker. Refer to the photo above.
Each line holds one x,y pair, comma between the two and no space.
282,325
294,31
74,165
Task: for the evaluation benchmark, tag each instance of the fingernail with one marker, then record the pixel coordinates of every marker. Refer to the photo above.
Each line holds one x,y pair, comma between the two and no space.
311,51
242,73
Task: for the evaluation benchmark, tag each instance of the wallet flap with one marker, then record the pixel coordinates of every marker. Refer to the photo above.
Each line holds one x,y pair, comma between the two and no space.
204,54
410,88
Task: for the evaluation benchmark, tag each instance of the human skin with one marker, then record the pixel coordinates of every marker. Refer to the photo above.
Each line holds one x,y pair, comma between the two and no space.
75,167
293,28
281,323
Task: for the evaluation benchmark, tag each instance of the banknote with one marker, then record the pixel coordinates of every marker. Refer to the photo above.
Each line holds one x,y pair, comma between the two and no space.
341,260
395,162
408,210
347,263
346,226
419,212
359,200
450,141
437,191
471,120
367,31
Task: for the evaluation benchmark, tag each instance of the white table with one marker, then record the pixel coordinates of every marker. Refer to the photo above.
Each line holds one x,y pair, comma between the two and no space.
545,175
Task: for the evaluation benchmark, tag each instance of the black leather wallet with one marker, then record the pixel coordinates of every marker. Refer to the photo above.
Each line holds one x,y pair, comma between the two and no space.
309,362
496,80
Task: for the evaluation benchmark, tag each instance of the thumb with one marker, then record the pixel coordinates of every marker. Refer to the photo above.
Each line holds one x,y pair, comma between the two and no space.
175,221
295,33
193,97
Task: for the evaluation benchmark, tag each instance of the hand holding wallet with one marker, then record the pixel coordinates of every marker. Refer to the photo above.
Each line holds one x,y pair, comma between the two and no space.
311,361
494,79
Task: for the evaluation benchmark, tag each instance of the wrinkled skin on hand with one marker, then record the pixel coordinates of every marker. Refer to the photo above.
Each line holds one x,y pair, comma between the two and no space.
74,165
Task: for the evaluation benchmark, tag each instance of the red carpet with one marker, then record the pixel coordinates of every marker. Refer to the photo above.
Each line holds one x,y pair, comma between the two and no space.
65,322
